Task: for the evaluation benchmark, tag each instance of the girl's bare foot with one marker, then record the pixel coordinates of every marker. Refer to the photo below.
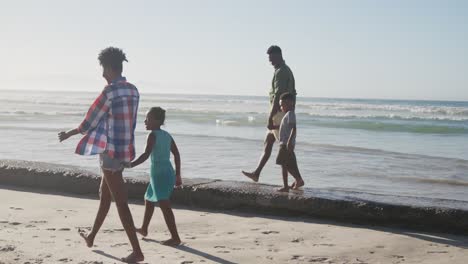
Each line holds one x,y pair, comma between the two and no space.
133,258
251,175
141,231
293,185
89,240
284,189
172,242
297,184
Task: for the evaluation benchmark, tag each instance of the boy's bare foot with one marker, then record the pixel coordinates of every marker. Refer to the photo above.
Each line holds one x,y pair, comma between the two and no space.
89,240
172,242
284,189
251,175
297,184
133,258
141,231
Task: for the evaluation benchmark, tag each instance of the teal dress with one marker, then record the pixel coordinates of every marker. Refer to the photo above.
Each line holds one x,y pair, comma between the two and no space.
162,177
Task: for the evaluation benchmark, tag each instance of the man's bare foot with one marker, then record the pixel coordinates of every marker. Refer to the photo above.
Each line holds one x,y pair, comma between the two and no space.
284,189
297,184
251,175
133,258
141,231
172,242
89,240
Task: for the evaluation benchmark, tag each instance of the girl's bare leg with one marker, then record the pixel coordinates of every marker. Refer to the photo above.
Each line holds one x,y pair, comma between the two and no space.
170,222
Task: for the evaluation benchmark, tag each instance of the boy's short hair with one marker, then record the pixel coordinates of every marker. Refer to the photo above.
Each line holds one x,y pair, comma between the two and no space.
158,113
112,57
274,50
287,96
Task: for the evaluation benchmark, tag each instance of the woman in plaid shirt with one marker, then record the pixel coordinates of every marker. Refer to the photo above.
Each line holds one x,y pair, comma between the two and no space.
108,130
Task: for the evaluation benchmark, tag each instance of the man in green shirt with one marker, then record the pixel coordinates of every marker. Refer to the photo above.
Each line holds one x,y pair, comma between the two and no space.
283,81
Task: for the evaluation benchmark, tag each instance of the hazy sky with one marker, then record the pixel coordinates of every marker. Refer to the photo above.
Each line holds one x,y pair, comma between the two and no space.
357,49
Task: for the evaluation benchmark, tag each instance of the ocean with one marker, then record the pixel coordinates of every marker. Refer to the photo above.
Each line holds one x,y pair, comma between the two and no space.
386,147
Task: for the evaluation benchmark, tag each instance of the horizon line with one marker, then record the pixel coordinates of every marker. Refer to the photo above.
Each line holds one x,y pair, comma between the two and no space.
251,95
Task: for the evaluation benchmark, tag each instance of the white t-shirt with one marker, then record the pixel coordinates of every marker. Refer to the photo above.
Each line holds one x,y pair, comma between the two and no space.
287,124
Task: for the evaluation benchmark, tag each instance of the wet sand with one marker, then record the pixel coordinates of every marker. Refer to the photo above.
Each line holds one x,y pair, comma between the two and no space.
42,228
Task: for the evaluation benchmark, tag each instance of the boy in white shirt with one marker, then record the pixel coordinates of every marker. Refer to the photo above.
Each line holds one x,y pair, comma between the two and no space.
287,136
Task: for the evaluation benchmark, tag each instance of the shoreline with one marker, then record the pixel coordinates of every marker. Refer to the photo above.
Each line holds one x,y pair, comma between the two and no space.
42,228
347,207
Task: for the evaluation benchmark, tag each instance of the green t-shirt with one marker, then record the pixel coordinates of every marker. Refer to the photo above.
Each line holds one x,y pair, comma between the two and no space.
283,81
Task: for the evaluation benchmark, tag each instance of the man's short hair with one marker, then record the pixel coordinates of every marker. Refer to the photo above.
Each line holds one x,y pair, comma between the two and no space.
112,57
274,50
287,96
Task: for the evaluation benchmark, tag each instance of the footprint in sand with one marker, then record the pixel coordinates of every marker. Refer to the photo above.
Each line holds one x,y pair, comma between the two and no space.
30,226
224,251
3,222
15,223
7,248
270,232
65,260
186,262
297,240
16,208
64,229
230,233
319,259
38,222
119,245
50,229
191,238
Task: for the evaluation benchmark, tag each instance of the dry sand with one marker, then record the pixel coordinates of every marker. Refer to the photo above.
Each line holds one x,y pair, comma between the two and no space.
42,228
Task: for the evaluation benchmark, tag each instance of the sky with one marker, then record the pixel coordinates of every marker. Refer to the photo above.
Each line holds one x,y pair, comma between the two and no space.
343,49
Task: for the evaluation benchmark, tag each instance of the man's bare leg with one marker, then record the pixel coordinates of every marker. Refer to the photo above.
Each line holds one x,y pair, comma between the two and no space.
268,144
119,192
104,206
170,222
149,209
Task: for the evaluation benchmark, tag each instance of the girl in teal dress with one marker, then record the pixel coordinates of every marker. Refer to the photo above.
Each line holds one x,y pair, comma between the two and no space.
159,146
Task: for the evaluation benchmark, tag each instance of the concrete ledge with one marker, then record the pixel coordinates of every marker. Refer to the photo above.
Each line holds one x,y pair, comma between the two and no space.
351,207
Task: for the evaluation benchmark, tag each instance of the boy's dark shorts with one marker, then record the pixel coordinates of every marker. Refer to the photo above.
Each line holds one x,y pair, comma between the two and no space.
286,158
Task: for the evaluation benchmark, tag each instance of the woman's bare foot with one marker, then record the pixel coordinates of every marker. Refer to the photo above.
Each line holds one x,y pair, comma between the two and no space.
172,242
297,184
133,258
284,189
141,231
87,238
251,175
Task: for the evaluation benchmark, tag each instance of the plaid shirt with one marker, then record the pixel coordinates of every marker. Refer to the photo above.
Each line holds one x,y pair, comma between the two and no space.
110,123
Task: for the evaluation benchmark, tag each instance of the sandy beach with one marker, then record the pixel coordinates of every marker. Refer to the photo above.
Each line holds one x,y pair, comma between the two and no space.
42,228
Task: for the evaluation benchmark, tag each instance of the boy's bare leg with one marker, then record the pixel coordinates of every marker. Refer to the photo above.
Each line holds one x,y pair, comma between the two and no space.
104,206
119,192
149,209
284,171
268,144
294,170
170,222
